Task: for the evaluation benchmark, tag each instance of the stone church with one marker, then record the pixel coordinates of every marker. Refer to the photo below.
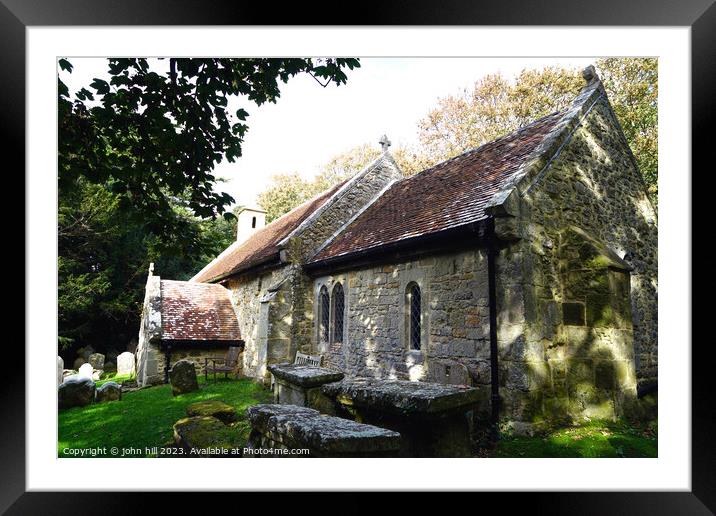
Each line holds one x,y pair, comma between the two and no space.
526,267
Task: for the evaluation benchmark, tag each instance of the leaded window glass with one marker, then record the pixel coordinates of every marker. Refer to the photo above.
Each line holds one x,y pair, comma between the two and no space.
324,303
414,318
338,311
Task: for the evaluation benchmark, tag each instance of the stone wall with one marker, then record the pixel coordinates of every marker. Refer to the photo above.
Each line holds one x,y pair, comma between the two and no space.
573,324
198,355
150,362
262,305
454,321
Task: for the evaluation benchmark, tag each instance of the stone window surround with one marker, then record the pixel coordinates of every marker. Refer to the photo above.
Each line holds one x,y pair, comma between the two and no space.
329,282
407,277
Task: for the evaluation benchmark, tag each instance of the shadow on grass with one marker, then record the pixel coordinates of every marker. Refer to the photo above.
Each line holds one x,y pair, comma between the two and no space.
598,439
144,418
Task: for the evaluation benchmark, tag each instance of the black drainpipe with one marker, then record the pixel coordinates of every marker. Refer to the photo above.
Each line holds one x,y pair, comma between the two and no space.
491,279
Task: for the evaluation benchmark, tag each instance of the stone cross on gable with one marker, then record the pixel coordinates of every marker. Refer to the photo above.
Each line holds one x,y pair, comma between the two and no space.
384,143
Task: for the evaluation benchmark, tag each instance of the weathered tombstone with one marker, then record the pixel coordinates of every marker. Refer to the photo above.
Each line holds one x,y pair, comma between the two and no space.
60,369
97,360
125,363
110,391
85,371
109,367
78,363
75,392
182,376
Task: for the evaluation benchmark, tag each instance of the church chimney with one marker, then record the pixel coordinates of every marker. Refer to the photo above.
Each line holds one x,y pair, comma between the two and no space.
249,220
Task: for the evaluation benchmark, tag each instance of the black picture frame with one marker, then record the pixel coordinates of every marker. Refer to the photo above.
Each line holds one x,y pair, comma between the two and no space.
700,15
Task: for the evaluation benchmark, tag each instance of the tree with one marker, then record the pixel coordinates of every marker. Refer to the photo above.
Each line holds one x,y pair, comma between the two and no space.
285,193
148,136
290,190
496,106
632,85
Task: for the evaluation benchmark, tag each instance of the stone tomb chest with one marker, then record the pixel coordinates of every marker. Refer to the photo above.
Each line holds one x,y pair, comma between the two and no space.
433,419
297,384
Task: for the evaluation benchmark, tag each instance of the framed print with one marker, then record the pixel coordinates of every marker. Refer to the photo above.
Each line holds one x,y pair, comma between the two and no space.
437,249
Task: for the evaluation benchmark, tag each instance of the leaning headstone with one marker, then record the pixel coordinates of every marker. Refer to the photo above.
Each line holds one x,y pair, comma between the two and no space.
110,391
60,369
85,371
125,363
75,392
78,363
182,376
97,360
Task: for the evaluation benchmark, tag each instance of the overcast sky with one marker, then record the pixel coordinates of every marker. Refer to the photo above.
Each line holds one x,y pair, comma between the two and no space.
309,124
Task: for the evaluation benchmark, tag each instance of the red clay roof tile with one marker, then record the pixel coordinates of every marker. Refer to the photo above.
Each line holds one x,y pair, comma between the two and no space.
263,244
197,311
450,194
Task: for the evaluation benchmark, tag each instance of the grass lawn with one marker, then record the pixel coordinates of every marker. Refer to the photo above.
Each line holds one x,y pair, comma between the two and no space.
144,418
595,439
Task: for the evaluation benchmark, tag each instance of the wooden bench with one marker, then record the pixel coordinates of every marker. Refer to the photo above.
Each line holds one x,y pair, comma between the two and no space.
304,359
289,427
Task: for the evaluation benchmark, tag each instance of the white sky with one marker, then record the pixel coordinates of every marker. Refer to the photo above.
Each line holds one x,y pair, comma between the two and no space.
309,124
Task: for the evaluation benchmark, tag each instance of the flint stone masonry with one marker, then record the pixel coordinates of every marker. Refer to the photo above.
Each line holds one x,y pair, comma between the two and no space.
455,313
300,385
126,364
293,427
435,420
577,322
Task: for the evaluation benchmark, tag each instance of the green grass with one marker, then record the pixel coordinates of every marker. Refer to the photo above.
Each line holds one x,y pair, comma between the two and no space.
114,377
144,418
594,439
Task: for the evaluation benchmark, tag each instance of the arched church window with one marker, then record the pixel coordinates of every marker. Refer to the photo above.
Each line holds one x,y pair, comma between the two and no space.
413,302
338,312
324,304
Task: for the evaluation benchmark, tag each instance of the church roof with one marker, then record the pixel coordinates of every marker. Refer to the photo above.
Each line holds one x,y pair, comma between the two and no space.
453,193
197,311
263,245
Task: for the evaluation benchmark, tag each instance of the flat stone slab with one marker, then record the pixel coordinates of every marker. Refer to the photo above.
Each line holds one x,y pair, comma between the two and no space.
402,396
304,375
302,427
214,408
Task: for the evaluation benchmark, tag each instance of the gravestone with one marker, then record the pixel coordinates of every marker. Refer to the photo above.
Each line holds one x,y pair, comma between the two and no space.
125,363
78,363
110,391
85,352
60,369
75,392
109,367
97,361
182,376
85,371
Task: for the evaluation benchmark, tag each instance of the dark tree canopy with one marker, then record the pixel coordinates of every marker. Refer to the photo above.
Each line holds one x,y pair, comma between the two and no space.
150,136
136,155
